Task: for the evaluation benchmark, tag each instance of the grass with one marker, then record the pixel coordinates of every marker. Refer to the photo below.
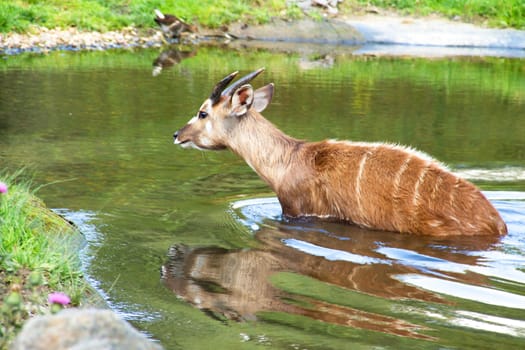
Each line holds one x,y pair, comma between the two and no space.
494,13
36,257
100,15
20,15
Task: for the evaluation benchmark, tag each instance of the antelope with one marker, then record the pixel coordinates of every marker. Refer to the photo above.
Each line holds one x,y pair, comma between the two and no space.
378,186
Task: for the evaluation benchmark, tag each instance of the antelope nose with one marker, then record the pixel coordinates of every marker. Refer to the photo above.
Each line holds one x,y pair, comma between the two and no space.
175,135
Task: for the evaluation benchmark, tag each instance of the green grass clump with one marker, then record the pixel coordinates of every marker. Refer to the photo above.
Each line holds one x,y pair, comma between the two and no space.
497,13
16,17
36,257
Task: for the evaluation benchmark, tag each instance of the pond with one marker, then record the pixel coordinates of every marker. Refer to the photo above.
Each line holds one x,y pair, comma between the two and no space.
190,246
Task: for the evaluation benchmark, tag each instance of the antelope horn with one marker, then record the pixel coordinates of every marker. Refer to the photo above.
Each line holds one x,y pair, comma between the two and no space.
221,85
229,91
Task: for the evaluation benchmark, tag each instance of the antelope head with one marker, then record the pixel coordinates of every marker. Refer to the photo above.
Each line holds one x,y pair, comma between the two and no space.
209,129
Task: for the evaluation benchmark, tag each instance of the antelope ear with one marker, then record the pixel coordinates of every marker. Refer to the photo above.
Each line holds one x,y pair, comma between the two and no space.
263,97
242,100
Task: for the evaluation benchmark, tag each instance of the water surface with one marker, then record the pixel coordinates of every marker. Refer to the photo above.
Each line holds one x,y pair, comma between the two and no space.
97,127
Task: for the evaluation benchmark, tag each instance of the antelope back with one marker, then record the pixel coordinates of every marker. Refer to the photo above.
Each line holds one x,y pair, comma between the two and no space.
210,128
392,188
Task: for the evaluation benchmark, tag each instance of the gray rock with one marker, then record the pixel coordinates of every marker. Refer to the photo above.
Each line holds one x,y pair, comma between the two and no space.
81,329
302,31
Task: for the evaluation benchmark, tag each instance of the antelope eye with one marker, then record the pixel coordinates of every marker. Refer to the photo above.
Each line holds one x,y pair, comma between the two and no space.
202,114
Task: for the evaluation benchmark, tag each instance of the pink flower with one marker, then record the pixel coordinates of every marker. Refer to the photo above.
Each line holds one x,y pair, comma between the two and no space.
3,187
58,298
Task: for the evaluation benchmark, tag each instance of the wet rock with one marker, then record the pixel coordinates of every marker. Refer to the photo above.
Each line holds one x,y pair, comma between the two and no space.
81,329
436,32
325,32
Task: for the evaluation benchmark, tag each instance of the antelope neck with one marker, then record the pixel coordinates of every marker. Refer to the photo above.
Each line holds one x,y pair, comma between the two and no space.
267,150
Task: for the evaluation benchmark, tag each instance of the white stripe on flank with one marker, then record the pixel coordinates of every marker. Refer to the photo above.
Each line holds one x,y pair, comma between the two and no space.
421,178
452,197
399,174
359,178
435,188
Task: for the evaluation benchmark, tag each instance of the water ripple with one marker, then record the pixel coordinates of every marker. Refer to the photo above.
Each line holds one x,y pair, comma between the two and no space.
464,291
331,254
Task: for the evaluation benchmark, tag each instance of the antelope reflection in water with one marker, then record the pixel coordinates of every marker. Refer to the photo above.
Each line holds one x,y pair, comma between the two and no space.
236,283
169,58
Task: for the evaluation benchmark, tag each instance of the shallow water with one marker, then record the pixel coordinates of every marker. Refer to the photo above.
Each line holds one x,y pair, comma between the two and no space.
97,128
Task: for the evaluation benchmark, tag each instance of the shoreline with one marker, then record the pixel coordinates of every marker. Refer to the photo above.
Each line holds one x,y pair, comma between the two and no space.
48,263
379,34
44,40
389,35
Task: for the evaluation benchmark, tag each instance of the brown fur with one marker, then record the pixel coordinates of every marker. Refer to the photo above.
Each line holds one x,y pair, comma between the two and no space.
356,182
379,186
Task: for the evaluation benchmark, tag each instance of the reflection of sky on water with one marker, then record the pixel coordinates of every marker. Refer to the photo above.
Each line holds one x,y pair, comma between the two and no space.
504,267
461,290
332,254
489,323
